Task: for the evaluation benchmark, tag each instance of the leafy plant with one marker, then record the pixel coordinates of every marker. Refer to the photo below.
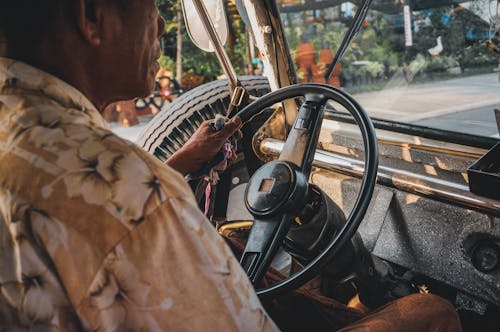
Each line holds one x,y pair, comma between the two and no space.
440,64
200,66
375,69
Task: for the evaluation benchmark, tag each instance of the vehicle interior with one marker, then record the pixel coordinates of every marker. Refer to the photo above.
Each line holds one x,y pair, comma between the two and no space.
405,142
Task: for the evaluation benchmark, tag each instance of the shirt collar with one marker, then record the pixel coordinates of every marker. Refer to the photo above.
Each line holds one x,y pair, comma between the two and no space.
16,75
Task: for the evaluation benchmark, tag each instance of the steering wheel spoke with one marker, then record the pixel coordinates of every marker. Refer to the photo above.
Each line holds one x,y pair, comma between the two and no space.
265,238
302,140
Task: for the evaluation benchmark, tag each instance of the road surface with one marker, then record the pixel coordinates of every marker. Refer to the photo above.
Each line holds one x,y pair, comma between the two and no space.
464,104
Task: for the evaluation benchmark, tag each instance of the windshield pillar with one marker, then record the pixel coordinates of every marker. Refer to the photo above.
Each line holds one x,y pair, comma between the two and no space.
267,28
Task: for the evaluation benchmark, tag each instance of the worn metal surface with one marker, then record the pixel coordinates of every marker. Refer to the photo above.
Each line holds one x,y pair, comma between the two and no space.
430,237
348,135
273,127
270,39
422,216
423,235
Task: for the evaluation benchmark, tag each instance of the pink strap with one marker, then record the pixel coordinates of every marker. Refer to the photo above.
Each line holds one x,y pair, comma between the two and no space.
208,191
229,149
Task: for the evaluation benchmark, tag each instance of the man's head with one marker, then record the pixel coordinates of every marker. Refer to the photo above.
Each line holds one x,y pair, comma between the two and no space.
105,48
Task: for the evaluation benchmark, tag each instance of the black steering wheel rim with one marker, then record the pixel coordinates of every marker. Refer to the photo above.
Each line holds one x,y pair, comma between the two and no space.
368,181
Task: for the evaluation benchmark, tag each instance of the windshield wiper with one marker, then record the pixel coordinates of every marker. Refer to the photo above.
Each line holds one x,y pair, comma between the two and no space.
359,18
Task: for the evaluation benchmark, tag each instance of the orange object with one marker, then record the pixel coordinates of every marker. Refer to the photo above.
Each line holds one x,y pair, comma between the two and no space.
305,57
335,77
324,61
126,113
305,54
325,57
123,112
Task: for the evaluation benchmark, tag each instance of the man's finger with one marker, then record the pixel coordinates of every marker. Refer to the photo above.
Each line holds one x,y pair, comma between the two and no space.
238,135
231,126
205,124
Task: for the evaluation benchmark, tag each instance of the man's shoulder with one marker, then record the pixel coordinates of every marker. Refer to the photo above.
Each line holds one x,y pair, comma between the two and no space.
138,168
75,159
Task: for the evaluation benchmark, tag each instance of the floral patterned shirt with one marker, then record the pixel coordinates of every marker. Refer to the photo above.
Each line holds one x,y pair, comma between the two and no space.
95,233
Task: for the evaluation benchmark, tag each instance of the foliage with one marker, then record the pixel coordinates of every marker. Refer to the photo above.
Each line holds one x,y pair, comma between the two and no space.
479,55
196,63
380,43
417,65
168,10
375,69
440,64
166,62
379,50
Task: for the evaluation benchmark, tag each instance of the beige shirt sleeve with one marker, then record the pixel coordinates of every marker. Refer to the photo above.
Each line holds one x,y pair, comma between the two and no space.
173,272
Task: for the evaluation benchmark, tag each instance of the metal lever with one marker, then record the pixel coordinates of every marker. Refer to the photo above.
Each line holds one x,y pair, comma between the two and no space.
237,98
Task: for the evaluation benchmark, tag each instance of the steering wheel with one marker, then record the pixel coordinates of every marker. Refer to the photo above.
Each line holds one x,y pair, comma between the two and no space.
278,190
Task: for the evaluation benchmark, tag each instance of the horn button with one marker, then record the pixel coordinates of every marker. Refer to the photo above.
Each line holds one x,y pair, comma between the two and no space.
276,187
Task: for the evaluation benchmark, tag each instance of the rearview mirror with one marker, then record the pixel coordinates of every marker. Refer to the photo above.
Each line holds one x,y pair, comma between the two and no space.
195,27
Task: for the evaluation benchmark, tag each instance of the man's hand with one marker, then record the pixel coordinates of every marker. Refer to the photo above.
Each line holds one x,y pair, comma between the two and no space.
202,146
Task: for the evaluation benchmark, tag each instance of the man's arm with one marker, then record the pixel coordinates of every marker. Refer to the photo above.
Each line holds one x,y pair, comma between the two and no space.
202,146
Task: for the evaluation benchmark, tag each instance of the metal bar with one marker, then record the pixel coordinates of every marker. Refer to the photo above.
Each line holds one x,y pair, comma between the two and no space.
381,6
426,186
351,33
422,131
219,49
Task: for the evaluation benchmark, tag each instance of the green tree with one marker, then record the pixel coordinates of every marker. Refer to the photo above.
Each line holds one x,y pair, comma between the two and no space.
197,65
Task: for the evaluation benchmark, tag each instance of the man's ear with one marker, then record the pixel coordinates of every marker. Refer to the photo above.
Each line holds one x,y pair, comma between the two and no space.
89,19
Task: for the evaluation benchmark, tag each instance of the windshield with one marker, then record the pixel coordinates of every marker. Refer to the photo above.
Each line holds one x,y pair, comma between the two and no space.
429,63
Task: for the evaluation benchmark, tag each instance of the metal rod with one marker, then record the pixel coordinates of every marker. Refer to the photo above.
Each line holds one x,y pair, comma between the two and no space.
351,33
481,142
219,49
442,190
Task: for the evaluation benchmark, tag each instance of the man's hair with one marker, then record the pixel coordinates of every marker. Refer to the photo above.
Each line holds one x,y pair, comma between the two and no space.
26,18
29,20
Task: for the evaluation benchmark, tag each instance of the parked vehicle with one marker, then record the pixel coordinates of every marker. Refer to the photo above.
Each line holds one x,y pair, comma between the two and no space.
166,89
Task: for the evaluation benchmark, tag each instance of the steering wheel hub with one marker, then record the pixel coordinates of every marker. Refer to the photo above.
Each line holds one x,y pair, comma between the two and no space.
274,188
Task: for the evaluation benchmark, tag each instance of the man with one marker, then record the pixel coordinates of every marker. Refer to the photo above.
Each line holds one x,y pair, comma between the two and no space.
96,234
